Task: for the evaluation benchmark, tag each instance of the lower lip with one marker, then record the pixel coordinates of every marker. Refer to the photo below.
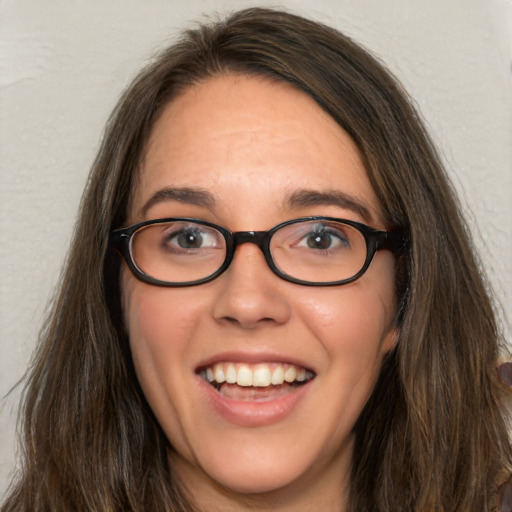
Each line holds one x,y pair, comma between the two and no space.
254,413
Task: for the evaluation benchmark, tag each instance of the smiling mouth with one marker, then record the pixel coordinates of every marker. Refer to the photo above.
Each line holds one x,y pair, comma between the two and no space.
263,381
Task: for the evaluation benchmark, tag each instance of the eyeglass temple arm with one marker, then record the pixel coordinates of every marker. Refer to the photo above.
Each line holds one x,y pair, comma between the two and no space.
395,241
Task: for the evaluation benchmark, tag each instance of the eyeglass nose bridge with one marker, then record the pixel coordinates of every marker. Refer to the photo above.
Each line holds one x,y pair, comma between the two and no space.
252,237
259,238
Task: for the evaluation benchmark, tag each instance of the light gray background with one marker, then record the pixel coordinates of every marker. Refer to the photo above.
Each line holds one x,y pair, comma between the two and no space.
65,62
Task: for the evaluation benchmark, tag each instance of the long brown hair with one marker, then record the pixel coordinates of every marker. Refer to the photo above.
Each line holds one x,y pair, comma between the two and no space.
432,437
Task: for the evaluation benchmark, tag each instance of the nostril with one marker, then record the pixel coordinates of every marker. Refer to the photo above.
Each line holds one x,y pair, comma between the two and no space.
246,322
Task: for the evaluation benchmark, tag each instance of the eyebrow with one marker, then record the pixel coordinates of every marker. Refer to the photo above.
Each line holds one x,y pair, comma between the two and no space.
299,199
195,196
305,198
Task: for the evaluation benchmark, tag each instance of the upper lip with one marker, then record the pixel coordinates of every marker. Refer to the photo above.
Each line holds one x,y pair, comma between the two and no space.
252,358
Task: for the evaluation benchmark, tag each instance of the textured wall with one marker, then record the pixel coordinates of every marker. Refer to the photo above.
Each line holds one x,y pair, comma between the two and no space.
64,63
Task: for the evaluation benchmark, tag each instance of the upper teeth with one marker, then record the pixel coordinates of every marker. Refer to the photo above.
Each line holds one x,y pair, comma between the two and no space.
259,375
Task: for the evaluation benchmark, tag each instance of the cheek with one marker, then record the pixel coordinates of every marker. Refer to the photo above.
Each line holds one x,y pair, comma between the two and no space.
160,328
151,344
354,323
157,316
353,340
355,315
162,325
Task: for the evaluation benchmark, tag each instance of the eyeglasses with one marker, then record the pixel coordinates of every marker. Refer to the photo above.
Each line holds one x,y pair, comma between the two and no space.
315,251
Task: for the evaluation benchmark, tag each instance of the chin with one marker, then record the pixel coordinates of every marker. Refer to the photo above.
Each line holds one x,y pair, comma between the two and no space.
252,474
262,473
266,481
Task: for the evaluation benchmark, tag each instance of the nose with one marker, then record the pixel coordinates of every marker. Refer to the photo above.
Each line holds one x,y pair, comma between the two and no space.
251,294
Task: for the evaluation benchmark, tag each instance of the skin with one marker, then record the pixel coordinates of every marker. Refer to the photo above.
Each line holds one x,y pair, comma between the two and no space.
251,143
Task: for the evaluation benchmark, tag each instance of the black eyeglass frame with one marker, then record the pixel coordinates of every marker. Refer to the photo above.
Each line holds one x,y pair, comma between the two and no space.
376,240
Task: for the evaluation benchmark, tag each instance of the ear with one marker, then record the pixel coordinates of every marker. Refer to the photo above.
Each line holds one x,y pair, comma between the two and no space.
390,340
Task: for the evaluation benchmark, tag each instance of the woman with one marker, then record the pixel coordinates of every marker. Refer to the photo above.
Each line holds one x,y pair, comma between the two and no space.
347,363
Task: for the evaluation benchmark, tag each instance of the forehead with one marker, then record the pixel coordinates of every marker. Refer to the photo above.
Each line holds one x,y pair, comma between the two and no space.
242,137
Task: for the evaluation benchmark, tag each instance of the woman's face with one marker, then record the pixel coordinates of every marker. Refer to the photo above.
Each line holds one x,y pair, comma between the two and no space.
245,149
